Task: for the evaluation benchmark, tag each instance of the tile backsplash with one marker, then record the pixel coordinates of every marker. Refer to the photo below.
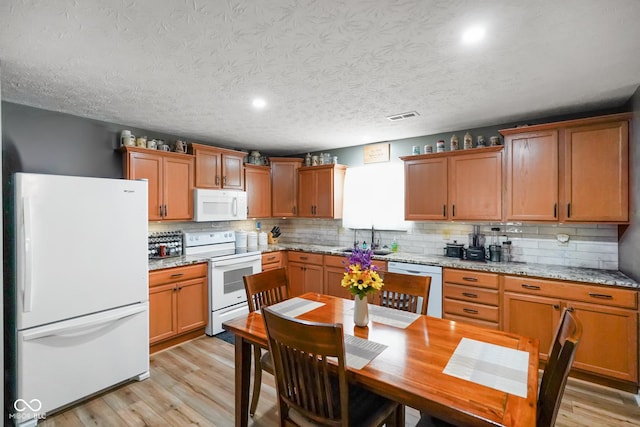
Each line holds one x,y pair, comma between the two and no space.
593,246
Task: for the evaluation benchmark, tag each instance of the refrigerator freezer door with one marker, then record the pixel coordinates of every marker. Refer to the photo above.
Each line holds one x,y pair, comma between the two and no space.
69,360
81,246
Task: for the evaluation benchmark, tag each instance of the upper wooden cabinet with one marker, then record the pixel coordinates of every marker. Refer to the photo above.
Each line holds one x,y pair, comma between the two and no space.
456,185
425,187
258,187
320,191
572,171
170,181
284,182
596,172
532,176
218,168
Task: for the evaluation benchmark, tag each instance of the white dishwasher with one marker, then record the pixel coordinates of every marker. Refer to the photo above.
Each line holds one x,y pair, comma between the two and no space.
434,308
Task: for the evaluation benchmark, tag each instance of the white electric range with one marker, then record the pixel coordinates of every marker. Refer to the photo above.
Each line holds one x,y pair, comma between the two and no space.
227,267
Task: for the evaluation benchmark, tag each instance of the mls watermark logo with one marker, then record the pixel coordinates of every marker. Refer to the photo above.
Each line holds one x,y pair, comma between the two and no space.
26,410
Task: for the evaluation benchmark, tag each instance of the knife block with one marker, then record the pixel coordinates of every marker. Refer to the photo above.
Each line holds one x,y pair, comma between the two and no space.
271,240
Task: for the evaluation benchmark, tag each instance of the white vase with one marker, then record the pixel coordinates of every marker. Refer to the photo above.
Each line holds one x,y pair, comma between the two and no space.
360,311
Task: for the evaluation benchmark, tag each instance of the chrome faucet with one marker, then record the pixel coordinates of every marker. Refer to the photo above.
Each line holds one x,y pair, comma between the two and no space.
374,245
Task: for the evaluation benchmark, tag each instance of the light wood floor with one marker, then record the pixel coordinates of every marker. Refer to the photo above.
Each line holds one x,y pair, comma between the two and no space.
193,385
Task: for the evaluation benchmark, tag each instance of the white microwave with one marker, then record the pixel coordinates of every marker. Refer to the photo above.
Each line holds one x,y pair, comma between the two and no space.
219,205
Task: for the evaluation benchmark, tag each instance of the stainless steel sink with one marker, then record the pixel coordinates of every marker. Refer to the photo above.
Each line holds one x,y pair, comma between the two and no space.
375,251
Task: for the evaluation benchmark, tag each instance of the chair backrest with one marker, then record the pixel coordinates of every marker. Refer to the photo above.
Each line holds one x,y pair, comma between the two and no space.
405,292
305,380
266,288
554,378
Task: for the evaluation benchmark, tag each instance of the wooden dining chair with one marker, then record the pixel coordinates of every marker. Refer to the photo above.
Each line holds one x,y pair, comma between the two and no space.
311,389
405,292
554,378
264,289
563,350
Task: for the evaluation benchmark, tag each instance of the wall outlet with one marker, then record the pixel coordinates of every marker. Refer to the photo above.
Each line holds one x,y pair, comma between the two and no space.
446,234
563,239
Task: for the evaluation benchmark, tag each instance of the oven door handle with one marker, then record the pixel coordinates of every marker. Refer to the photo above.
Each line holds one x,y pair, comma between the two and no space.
235,262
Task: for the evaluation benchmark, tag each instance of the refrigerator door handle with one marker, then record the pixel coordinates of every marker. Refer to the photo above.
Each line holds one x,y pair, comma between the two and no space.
28,254
73,329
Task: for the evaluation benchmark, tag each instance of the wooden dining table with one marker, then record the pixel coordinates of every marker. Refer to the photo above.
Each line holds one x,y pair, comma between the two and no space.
410,369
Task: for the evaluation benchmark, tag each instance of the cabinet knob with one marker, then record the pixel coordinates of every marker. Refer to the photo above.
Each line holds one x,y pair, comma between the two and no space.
556,306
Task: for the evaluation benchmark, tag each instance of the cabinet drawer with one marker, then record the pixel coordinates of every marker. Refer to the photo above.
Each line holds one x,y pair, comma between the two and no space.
602,295
272,258
466,277
335,261
176,274
469,293
477,322
472,310
306,257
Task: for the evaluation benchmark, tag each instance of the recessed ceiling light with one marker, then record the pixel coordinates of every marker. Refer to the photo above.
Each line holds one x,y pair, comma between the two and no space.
259,103
473,35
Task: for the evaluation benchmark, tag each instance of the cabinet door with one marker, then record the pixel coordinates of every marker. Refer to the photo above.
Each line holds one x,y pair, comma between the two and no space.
532,316
324,193
475,186
284,182
192,304
313,278
296,278
149,167
609,344
532,176
306,193
232,172
207,169
425,189
332,282
596,184
163,321
178,189
258,183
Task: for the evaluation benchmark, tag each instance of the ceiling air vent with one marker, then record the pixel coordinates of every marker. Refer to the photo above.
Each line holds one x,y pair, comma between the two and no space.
403,116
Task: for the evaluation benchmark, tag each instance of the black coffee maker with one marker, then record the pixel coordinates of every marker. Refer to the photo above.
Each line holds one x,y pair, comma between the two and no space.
476,250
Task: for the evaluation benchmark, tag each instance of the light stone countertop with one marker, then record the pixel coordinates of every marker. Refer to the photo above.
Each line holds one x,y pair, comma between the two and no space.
544,271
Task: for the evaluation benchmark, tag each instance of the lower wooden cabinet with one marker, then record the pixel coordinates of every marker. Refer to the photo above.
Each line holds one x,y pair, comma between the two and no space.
609,317
177,305
305,273
334,268
271,261
471,297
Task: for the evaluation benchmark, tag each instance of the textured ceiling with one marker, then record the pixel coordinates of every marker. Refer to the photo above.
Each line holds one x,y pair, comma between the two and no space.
330,70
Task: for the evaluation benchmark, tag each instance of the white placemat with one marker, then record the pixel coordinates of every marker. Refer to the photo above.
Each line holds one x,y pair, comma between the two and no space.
360,351
295,306
390,316
491,365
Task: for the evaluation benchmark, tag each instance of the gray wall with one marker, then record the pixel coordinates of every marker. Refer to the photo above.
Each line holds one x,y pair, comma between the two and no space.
2,405
354,156
629,244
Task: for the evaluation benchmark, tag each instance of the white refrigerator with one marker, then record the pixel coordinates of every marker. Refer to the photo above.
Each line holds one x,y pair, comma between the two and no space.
81,288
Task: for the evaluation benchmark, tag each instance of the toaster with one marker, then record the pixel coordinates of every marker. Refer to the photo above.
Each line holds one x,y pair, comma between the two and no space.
454,250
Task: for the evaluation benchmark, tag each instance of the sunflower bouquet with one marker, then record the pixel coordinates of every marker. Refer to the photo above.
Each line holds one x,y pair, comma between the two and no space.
360,276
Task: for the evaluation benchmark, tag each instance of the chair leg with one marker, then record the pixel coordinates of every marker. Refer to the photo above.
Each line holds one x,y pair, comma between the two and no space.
399,416
257,380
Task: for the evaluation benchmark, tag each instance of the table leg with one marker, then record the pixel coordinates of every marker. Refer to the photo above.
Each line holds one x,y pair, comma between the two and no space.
243,373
